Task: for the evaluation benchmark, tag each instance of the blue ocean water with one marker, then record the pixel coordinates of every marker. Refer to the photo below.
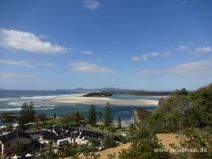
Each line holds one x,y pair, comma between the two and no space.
11,101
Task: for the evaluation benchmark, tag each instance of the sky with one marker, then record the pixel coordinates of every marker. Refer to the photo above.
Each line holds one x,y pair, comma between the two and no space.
139,44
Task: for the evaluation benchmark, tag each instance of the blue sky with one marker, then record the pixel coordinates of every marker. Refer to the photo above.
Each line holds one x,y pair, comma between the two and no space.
139,44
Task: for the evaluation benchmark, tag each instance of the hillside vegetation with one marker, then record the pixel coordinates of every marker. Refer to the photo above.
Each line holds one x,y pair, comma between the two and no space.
98,94
184,113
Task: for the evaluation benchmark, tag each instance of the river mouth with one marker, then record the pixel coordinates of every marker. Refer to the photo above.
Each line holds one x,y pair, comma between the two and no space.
42,104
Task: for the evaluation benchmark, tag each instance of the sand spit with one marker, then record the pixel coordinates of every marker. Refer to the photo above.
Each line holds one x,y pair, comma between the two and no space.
102,101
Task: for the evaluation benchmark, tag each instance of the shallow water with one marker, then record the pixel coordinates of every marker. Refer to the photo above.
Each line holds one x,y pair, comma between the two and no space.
11,101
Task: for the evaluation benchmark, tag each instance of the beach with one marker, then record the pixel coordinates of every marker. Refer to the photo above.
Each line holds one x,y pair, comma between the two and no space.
61,103
102,101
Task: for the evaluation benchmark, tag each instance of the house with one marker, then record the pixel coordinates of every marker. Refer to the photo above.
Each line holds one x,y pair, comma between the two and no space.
48,135
61,135
58,137
9,141
63,141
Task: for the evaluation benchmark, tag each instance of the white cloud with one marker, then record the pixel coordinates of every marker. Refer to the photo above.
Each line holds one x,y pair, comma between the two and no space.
87,52
18,63
47,64
98,60
25,63
89,68
198,50
167,53
191,69
28,42
183,48
170,51
203,50
154,54
17,75
190,3
144,57
91,4
139,58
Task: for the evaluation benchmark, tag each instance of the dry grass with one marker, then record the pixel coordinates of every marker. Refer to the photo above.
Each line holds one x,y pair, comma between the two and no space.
169,141
104,154
165,139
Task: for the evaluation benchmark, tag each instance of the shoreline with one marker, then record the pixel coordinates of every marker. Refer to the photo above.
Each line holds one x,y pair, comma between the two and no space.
102,101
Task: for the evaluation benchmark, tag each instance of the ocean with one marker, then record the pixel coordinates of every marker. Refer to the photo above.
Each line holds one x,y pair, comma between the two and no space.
11,101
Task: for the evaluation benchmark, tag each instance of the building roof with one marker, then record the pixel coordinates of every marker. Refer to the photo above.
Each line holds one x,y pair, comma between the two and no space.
61,132
14,134
49,135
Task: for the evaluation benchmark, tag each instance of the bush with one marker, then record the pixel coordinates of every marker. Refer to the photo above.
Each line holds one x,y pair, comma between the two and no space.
143,147
73,117
109,142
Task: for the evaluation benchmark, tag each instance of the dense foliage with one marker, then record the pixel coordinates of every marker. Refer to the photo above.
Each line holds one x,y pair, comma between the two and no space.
188,114
108,115
92,115
139,93
71,117
98,94
182,110
7,117
143,147
27,115
119,122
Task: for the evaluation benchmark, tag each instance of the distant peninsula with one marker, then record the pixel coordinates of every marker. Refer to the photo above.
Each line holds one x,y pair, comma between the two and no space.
141,93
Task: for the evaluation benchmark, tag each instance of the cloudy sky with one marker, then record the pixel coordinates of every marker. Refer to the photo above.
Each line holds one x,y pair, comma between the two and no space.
139,44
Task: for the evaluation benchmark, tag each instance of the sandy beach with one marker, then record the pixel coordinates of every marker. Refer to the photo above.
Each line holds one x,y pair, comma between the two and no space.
102,101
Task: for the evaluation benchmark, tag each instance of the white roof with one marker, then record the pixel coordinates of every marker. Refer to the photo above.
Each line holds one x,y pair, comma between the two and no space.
15,157
28,155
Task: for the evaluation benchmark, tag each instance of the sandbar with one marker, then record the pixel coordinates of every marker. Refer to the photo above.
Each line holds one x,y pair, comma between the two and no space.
102,101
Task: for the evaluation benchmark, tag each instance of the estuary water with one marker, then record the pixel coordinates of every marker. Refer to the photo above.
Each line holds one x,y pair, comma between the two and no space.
11,101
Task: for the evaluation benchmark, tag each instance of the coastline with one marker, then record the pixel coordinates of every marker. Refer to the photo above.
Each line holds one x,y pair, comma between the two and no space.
102,100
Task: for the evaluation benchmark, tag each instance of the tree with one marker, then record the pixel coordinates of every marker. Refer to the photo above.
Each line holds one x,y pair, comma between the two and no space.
55,116
8,128
100,116
19,149
78,115
7,117
94,144
119,122
92,115
142,113
48,152
144,146
183,112
27,115
108,115
109,141
132,129
68,151
182,92
198,139
42,117
202,101
71,117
